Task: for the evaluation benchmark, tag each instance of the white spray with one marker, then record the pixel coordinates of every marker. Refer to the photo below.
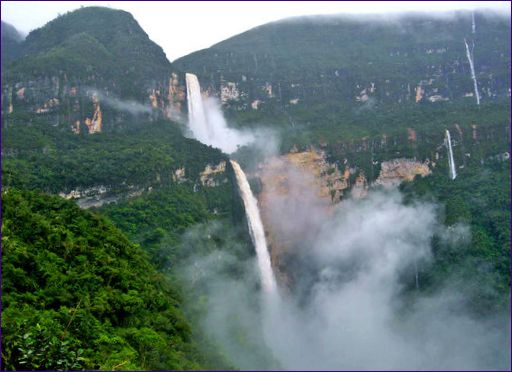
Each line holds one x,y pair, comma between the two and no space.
207,123
451,162
256,229
196,115
469,54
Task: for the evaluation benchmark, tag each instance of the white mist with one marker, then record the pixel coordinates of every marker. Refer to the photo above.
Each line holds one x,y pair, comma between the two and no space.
207,123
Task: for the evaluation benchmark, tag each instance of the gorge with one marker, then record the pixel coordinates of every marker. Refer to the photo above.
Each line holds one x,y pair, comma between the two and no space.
320,192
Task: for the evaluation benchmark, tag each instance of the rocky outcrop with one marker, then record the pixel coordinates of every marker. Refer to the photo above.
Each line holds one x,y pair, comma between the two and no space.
360,188
255,104
97,196
419,93
213,176
229,92
179,175
305,186
393,172
95,124
298,186
176,97
328,181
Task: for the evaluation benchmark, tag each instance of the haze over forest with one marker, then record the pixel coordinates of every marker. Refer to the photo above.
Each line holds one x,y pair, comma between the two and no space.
324,192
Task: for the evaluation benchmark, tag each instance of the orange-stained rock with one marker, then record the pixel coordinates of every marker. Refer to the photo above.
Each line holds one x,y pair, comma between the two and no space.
209,176
76,127
419,93
411,135
95,124
175,98
153,98
300,183
393,172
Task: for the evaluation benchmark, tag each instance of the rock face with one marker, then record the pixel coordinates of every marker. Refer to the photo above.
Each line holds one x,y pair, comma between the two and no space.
360,188
302,186
179,175
213,176
229,92
94,125
298,186
176,98
419,59
322,176
97,196
395,171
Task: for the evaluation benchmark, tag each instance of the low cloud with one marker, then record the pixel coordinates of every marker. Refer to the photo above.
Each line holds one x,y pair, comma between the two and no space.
354,311
215,131
129,106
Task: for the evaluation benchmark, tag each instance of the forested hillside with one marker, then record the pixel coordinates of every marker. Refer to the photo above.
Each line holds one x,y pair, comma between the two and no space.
11,43
93,42
88,70
77,294
328,77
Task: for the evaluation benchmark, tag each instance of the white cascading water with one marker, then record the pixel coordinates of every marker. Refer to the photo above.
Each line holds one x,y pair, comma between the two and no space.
252,213
196,114
469,54
451,162
207,123
208,126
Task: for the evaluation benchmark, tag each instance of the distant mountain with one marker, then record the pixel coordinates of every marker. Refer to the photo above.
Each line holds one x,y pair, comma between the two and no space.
95,40
333,66
11,43
90,53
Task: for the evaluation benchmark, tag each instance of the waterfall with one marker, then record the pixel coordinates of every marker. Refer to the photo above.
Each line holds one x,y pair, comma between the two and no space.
196,113
207,123
469,54
473,25
451,162
256,229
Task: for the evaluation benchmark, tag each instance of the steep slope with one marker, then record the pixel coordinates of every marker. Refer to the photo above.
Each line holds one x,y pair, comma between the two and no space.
11,43
95,170
136,57
89,68
77,294
330,70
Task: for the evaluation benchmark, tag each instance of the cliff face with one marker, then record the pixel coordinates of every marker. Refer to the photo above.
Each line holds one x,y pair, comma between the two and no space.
395,171
416,60
302,186
291,185
213,175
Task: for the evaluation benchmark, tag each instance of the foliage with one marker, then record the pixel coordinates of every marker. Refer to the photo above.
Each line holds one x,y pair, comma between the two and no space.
479,199
346,77
78,294
39,156
11,40
105,44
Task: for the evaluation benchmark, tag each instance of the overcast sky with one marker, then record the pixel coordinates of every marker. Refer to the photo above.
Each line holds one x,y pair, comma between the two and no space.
184,27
